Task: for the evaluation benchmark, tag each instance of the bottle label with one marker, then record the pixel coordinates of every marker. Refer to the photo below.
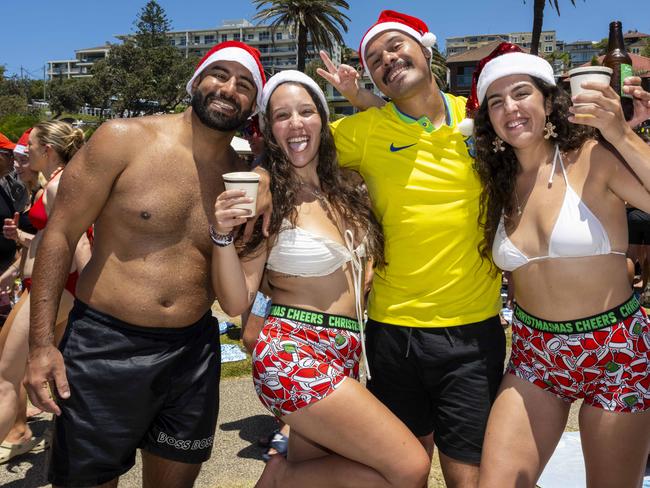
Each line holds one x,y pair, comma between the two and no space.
626,70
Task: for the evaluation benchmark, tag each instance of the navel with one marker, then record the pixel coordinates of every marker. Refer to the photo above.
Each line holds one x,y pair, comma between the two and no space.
145,215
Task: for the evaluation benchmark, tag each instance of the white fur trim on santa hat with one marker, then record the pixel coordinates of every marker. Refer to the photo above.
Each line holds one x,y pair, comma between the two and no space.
286,76
466,127
427,40
232,54
513,64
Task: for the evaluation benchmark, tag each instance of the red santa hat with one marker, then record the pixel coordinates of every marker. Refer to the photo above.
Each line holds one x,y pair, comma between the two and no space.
247,56
506,59
21,145
392,20
5,143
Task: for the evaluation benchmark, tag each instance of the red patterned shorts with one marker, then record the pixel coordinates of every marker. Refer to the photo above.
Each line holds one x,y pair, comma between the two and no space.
608,367
296,364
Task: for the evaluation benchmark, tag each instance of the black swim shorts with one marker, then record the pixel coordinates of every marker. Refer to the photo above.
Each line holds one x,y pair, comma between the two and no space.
133,387
440,380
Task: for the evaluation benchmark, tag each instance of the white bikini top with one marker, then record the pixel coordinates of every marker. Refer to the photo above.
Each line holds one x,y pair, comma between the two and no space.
299,252
577,232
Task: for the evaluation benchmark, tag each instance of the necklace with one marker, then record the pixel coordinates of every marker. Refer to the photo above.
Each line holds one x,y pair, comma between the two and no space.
519,210
316,192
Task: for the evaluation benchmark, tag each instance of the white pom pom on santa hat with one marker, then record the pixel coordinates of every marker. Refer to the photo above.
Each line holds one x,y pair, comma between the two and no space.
428,39
466,127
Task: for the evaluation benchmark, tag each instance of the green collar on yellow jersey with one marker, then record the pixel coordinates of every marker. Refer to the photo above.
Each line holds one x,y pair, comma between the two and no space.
424,121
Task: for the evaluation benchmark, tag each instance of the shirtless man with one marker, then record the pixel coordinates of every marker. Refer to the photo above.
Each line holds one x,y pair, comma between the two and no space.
139,364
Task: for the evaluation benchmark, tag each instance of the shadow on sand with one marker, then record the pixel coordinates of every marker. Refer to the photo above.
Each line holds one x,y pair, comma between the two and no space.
251,429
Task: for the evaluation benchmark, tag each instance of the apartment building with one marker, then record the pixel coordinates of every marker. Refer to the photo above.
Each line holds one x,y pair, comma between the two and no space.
79,66
458,45
278,47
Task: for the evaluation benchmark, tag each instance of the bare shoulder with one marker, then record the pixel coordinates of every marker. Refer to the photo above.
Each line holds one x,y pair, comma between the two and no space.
119,141
598,158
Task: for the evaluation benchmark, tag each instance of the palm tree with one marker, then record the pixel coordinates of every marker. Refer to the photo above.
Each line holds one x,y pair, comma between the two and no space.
321,19
538,20
439,68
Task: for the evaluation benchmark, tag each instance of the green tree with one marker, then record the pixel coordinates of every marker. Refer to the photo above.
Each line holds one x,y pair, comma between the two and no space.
12,105
538,20
322,20
439,68
65,96
145,74
563,57
151,25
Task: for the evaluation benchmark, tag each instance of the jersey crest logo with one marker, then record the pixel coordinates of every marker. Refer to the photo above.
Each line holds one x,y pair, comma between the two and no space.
394,148
470,143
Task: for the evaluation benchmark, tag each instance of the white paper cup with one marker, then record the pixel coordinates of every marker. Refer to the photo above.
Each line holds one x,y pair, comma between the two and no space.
596,74
243,180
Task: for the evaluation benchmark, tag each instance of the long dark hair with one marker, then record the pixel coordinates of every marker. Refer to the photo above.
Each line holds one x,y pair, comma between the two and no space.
498,171
348,199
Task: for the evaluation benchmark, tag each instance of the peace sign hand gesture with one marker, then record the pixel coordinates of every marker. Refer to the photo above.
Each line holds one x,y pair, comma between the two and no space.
344,78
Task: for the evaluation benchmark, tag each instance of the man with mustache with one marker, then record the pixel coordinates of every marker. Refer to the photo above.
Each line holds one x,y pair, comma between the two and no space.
435,344
139,364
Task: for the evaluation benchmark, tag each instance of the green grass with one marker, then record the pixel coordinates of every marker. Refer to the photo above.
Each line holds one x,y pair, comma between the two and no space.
236,369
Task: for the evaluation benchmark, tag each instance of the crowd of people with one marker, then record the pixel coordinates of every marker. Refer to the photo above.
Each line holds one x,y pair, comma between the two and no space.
425,199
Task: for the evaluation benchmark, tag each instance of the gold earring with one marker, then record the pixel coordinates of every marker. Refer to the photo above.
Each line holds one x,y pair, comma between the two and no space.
498,145
549,130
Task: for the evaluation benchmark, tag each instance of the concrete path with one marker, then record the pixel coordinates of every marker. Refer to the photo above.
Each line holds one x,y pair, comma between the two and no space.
236,460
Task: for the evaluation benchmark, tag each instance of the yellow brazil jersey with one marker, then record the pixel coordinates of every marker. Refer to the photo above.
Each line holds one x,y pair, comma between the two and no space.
425,194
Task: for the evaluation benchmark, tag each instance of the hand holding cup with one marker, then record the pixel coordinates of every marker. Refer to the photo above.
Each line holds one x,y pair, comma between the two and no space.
235,205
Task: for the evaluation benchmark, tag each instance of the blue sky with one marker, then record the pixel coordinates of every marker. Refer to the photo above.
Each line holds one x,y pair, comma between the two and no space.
42,30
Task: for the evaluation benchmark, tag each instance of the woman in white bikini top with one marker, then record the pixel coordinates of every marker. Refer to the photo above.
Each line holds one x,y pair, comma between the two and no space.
306,359
554,216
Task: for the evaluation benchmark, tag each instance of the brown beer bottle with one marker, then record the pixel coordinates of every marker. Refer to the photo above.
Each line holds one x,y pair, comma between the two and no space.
620,61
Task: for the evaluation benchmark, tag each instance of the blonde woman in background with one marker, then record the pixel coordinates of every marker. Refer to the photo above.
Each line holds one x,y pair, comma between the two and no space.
51,146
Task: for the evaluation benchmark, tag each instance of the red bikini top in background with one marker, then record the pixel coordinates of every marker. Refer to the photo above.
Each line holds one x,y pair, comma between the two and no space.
37,214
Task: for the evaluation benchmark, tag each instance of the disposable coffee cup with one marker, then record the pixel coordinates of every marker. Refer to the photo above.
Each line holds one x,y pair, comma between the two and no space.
595,74
243,180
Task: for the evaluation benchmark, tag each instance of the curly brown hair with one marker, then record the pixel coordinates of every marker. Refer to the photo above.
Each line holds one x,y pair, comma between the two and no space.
348,199
498,171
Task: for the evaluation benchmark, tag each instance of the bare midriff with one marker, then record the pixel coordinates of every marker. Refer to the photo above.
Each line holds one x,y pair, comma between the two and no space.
570,288
333,293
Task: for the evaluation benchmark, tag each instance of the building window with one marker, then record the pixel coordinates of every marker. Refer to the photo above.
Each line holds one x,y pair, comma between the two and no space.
209,39
265,36
548,49
197,39
515,39
224,37
236,36
278,36
250,37
548,38
172,42
182,41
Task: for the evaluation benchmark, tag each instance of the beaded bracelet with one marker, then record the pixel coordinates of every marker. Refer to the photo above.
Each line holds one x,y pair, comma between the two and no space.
221,240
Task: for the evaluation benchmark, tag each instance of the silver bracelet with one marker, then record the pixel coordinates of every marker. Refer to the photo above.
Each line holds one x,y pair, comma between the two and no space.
221,240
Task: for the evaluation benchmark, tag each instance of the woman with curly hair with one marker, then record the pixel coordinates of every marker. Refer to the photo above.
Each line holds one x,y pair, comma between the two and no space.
306,360
553,210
